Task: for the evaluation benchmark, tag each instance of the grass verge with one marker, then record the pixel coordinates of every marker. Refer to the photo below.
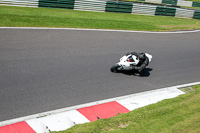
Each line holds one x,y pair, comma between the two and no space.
48,17
186,7
194,0
181,114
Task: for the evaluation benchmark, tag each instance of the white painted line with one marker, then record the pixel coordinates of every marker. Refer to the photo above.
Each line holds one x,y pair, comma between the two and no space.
57,122
126,31
76,117
139,101
186,85
37,126
89,104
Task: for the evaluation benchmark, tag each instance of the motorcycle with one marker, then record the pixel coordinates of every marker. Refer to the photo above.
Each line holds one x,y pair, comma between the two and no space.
124,64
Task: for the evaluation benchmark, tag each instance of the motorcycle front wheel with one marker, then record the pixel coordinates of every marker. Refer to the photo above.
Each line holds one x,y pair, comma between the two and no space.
114,68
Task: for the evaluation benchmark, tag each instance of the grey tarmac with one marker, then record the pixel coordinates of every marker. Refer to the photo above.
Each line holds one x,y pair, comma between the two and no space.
48,69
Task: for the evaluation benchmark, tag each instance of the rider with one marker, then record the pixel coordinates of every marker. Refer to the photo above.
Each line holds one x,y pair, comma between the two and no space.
139,61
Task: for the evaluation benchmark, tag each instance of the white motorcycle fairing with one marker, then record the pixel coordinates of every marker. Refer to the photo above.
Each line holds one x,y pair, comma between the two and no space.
123,64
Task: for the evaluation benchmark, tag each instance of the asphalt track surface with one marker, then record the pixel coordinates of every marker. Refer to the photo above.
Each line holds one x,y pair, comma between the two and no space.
48,69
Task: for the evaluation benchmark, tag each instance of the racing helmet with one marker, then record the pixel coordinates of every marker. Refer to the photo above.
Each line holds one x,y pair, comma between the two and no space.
133,59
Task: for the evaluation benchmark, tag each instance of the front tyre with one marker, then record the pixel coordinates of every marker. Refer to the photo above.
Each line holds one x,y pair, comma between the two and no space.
114,68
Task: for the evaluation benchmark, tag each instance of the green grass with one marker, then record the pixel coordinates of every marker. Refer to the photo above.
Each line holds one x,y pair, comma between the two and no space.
178,115
194,0
186,7
48,17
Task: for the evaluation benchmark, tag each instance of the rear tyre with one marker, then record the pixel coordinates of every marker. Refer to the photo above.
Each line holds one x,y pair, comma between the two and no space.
114,68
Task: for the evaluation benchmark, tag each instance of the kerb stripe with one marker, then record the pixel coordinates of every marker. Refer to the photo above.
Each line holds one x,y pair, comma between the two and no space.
20,127
103,111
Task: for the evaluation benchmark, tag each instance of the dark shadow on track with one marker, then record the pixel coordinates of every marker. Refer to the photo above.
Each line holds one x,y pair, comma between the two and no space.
144,73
